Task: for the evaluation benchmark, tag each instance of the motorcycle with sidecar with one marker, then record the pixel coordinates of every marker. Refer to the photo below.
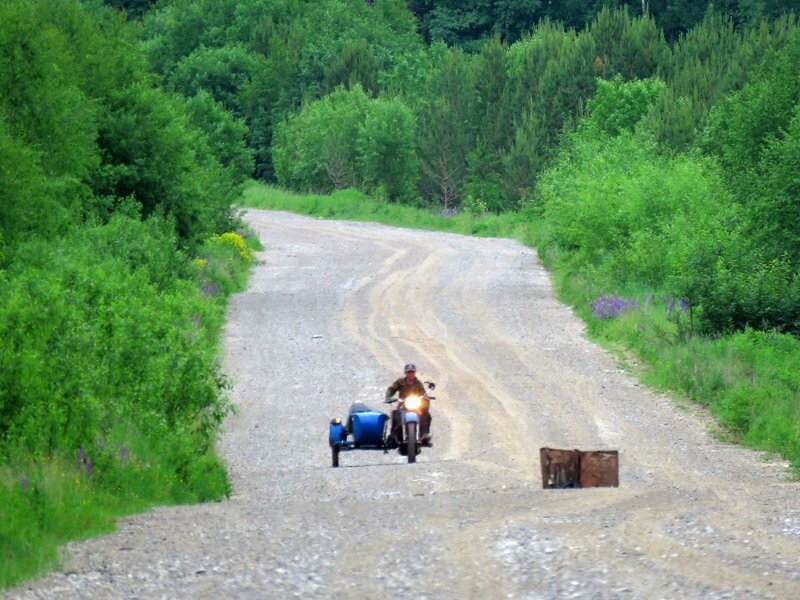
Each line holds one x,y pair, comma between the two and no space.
368,429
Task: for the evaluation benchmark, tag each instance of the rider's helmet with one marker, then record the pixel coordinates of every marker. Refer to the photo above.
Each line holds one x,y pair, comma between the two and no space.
410,368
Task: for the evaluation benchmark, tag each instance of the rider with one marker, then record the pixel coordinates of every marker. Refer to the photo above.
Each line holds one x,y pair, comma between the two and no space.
406,386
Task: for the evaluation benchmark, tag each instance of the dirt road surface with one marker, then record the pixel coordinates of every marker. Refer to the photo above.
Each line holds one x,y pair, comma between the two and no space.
330,317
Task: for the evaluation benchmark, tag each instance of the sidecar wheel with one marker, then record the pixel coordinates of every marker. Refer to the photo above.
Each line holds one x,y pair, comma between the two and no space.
411,442
335,456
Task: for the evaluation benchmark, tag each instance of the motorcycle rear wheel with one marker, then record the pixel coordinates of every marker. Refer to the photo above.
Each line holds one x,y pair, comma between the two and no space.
411,442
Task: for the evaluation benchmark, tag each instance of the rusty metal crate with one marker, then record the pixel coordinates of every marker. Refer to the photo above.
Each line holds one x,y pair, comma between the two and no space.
576,468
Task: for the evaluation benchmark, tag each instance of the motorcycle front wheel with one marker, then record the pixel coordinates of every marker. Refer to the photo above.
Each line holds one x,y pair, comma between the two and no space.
411,442
335,456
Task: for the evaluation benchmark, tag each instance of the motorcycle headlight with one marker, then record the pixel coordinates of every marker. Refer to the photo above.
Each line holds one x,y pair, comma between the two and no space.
413,402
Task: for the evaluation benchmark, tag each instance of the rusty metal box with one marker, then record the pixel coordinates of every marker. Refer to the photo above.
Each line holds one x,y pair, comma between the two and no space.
576,468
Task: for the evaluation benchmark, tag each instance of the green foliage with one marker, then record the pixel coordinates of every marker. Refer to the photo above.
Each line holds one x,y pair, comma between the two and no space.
47,121
27,201
264,59
747,129
152,153
550,76
748,380
223,73
77,108
355,65
710,62
488,78
86,306
225,136
110,356
466,24
446,129
754,134
43,505
633,47
627,215
622,215
524,161
109,333
773,203
618,106
40,94
458,24
316,149
346,140
386,150
674,120
134,9
738,287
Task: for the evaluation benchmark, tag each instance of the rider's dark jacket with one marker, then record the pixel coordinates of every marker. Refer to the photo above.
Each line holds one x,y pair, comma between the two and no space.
404,389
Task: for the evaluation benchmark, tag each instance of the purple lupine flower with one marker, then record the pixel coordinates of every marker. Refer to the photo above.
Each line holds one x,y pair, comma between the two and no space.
211,289
23,483
683,304
607,307
88,467
123,454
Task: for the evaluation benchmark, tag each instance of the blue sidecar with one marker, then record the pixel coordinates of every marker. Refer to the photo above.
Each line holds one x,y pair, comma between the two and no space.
365,429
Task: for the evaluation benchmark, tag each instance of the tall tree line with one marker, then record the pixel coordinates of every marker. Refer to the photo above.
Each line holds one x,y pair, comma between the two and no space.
467,24
485,117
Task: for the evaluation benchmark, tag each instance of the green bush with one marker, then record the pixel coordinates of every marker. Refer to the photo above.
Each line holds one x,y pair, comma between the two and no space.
618,209
78,357
347,140
618,106
111,395
386,150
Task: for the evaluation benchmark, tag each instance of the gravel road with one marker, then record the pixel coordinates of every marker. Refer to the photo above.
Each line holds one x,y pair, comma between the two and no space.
331,315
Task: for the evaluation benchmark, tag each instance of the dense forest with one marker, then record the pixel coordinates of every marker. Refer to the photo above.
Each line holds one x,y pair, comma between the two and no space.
655,145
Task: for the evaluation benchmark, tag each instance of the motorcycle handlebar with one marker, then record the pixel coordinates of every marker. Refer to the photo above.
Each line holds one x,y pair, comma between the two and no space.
392,400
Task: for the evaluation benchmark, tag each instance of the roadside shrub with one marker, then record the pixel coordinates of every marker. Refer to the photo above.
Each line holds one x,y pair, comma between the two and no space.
92,335
153,154
346,139
386,150
618,209
236,241
750,381
315,149
221,265
99,348
111,394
